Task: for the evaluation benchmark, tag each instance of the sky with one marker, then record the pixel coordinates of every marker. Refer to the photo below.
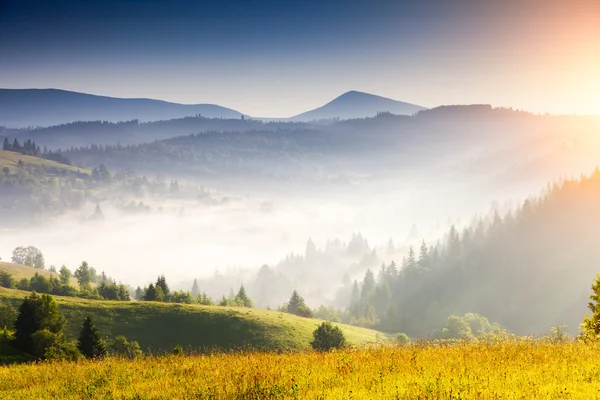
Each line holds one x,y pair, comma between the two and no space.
269,58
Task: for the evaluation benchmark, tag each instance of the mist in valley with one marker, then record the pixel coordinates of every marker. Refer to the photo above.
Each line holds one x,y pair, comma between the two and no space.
303,210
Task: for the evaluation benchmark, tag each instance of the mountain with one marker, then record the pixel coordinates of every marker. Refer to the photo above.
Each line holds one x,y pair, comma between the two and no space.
45,107
355,104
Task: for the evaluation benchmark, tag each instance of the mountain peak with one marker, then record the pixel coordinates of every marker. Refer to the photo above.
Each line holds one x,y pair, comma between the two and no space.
356,104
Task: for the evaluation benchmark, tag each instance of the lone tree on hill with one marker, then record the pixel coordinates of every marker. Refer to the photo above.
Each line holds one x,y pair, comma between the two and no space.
90,344
243,299
297,306
328,337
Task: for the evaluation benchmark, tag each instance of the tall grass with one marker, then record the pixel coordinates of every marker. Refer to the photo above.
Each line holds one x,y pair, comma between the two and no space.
513,369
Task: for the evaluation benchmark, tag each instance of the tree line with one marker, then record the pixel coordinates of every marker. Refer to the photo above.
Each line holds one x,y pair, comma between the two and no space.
37,331
524,270
30,148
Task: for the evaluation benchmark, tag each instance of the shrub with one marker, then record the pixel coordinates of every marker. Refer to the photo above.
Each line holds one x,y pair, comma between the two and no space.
8,316
23,284
178,350
6,280
328,337
402,339
47,345
558,334
120,347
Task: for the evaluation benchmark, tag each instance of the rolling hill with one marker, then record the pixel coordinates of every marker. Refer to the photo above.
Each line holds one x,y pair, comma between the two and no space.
10,160
161,326
355,104
19,272
45,107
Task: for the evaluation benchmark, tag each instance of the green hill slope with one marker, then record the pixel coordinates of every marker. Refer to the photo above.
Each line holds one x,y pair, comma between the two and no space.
11,159
160,326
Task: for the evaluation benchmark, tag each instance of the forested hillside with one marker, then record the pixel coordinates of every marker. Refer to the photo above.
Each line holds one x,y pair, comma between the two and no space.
527,270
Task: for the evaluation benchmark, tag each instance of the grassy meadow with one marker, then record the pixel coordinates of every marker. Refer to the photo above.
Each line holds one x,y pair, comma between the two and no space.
161,326
18,271
11,159
511,370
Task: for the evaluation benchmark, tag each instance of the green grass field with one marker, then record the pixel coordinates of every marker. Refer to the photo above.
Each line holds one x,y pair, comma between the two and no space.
11,160
161,326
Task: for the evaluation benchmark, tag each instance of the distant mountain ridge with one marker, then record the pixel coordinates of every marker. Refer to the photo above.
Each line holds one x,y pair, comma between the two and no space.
47,107
355,104
21,108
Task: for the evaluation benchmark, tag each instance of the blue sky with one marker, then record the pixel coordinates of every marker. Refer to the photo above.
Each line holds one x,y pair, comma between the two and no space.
279,58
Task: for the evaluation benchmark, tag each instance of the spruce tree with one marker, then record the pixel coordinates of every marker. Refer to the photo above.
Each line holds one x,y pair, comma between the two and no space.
243,298
195,288
297,306
90,344
161,282
6,145
150,293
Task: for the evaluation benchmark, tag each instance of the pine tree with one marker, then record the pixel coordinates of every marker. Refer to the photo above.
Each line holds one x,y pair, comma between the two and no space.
150,293
161,282
242,297
368,286
90,344
355,300
297,306
423,262
16,146
6,145
195,288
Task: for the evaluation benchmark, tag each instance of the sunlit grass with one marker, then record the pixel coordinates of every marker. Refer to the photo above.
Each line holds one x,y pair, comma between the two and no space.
19,272
524,370
160,326
11,160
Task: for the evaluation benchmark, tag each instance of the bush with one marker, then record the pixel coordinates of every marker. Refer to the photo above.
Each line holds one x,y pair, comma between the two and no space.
328,337
6,280
178,350
558,334
402,339
23,284
328,314
8,316
48,345
179,296
120,347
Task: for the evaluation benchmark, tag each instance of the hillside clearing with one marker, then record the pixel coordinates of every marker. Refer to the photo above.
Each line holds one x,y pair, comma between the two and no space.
11,159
